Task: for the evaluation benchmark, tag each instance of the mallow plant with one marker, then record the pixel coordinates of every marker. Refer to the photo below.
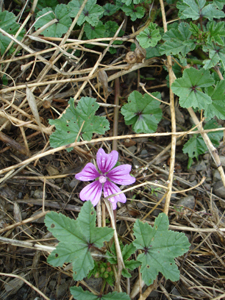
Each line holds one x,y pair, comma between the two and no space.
195,38
157,245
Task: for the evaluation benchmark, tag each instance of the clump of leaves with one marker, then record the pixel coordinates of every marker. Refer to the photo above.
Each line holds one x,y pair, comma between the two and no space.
103,270
160,246
142,112
127,251
76,238
68,126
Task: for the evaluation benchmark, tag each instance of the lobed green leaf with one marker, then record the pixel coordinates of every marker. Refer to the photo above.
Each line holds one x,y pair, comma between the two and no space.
160,246
91,12
142,112
177,40
149,37
79,294
60,12
189,88
76,237
217,107
195,9
68,126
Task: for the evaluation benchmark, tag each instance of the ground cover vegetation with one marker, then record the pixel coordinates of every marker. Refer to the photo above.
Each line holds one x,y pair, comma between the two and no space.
112,153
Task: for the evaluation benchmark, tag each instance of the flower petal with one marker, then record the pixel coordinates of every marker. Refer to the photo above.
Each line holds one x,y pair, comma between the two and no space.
110,189
92,192
105,161
120,175
88,173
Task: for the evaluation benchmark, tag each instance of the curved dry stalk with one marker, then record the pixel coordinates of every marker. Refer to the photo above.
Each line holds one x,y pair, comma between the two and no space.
142,85
116,112
31,219
99,140
173,119
27,282
148,291
212,150
191,188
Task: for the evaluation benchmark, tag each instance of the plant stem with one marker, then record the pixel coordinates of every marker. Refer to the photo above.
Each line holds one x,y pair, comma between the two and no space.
120,262
173,119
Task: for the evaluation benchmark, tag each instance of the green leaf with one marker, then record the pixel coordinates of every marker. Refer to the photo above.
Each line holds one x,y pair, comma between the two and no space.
5,80
79,294
134,12
93,32
68,126
216,54
188,88
152,52
216,136
129,2
76,237
196,9
211,12
219,3
47,3
110,30
63,21
142,112
91,12
8,24
160,246
149,37
128,250
109,9
217,107
177,40
196,145
216,31
195,29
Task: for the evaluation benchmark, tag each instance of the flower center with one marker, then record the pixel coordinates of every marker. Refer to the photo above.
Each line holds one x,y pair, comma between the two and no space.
102,179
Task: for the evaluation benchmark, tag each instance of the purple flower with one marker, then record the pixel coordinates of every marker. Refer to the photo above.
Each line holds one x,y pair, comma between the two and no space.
104,178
